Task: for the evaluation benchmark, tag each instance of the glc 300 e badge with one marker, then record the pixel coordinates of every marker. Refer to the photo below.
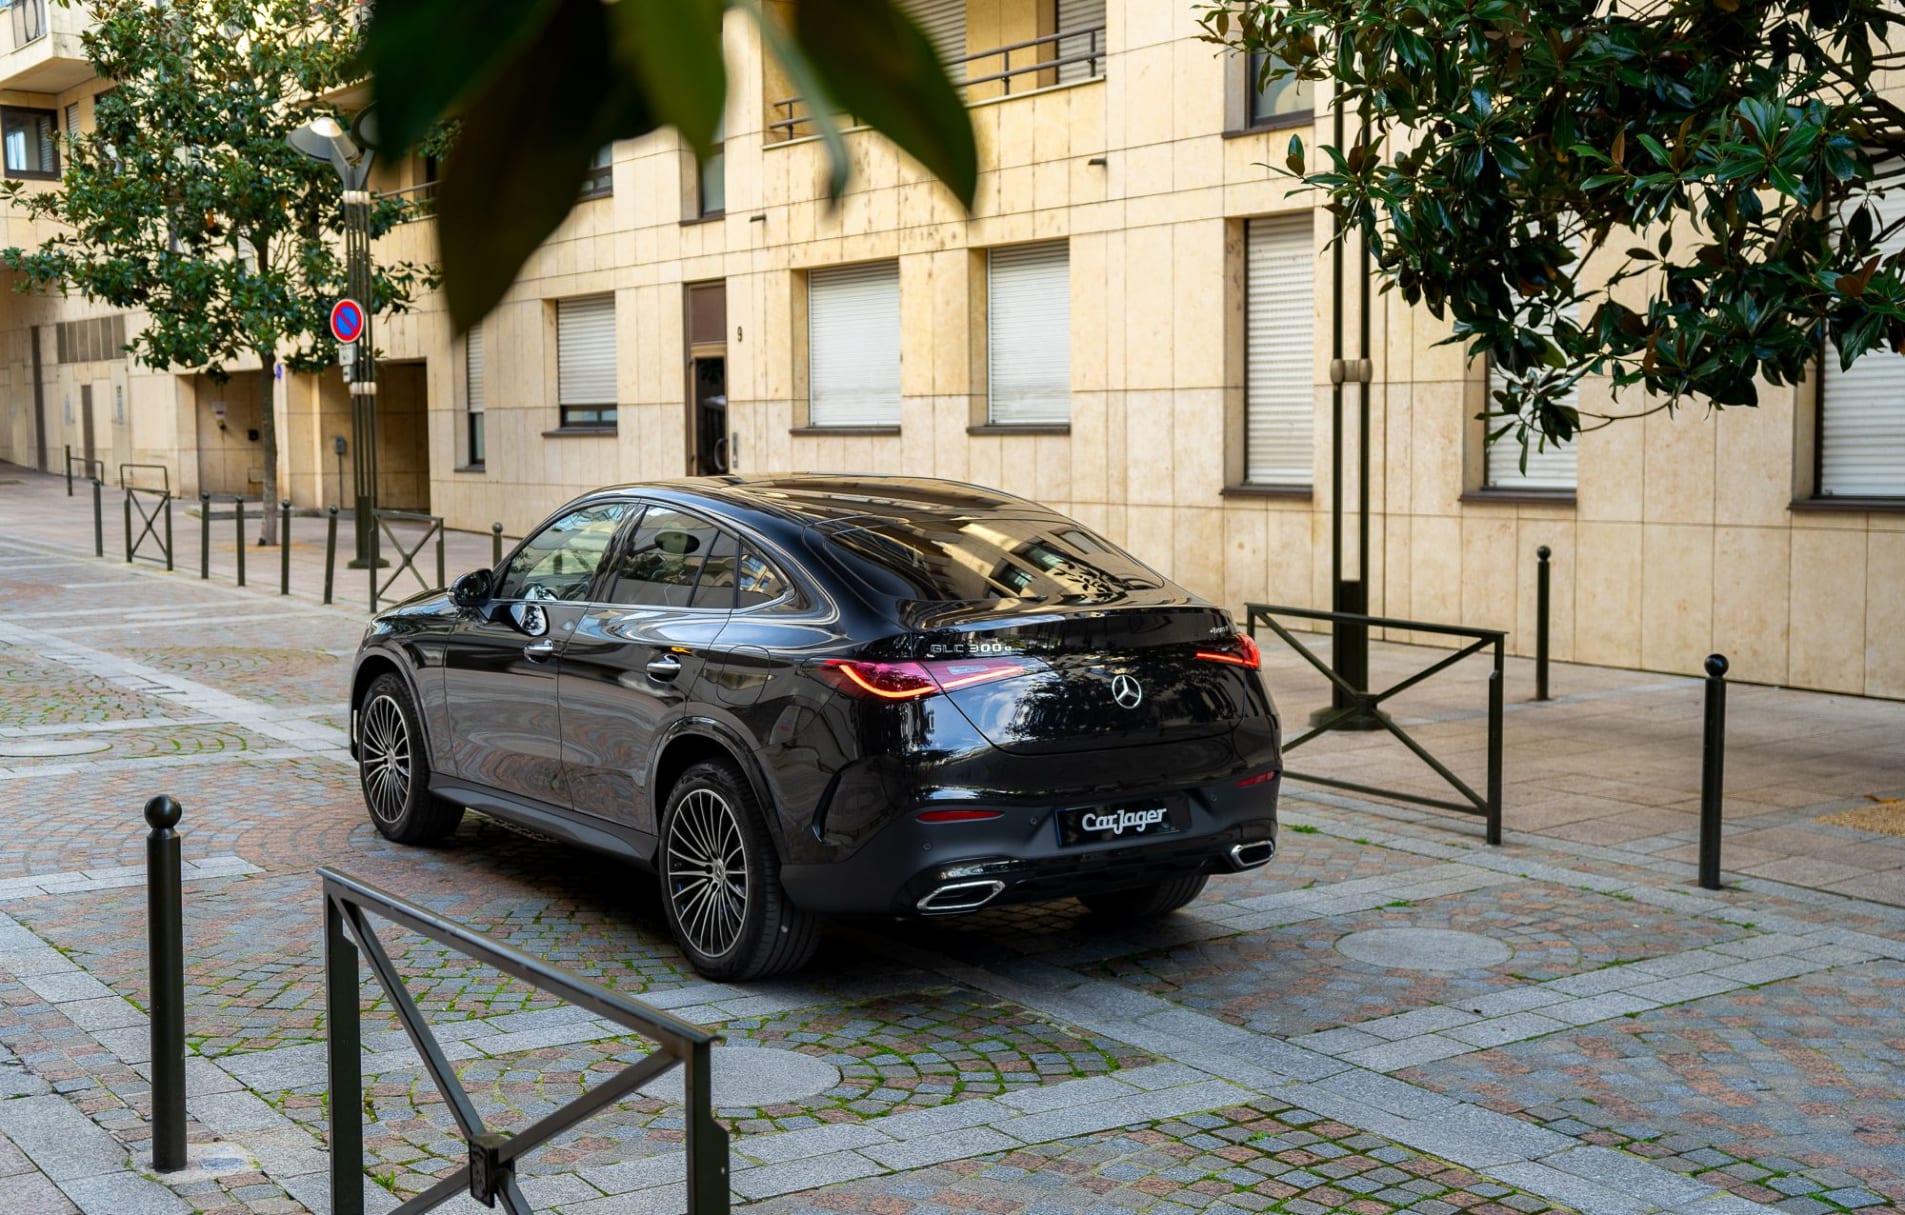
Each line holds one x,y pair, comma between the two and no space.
1128,692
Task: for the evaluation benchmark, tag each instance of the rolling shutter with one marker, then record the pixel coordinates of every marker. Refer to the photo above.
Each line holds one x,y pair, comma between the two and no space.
853,345
475,390
945,24
1552,467
1862,411
1279,351
1029,335
585,351
1084,17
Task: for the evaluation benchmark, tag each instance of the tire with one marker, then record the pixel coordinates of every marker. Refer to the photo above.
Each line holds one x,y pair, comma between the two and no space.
730,931
1146,902
393,769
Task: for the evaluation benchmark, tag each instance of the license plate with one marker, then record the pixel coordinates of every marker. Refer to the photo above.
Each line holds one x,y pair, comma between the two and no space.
1119,822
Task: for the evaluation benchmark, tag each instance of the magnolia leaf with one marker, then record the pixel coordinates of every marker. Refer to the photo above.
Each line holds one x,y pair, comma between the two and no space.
673,48
425,57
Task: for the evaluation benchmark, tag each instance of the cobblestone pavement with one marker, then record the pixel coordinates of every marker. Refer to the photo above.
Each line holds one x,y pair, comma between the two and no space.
1390,1017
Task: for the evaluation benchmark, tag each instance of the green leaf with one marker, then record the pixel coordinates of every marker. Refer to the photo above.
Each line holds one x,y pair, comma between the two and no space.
878,65
1294,157
527,141
807,85
427,56
673,47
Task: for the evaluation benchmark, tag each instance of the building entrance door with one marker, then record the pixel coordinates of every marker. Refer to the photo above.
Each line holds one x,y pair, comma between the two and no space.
710,445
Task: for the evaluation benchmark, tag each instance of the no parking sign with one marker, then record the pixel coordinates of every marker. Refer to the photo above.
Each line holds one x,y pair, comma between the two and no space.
347,320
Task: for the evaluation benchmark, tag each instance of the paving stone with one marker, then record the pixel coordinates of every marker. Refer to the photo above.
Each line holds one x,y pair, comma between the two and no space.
1513,1028
123,1194
61,1142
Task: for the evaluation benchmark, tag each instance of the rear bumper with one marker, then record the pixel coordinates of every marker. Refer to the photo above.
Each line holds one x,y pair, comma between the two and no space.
907,862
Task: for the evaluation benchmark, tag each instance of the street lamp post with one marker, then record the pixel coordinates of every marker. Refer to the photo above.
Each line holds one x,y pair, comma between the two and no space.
323,139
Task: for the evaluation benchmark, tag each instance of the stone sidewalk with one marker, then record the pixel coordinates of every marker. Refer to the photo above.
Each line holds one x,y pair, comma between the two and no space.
1389,1017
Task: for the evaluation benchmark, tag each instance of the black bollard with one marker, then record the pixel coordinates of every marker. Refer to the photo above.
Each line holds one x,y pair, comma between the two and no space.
125,508
165,928
495,545
204,534
99,522
69,470
330,552
1712,772
1541,621
440,577
238,507
284,546
167,503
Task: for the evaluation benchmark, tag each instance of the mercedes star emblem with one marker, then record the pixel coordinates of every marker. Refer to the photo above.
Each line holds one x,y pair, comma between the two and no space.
1128,692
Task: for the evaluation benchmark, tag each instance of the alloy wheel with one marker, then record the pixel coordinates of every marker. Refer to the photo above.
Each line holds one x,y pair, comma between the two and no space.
707,872
384,751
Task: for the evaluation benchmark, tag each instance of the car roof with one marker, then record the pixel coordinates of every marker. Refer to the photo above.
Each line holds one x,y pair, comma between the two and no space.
834,500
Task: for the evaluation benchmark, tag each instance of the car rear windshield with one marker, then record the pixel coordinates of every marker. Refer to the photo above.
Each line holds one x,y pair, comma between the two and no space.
978,557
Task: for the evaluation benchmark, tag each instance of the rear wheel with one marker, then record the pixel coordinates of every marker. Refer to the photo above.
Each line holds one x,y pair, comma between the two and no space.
1145,902
720,879
393,769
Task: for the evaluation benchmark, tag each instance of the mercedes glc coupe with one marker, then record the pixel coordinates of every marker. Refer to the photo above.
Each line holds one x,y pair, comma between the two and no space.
798,696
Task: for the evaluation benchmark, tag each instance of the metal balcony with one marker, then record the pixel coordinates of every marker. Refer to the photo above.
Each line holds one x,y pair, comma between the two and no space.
43,53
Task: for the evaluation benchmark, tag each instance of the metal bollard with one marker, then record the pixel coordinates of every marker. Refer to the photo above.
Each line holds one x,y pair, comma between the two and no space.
330,553
284,546
440,578
376,559
125,506
1712,772
69,470
204,534
239,505
99,522
495,545
168,533
165,930
1541,621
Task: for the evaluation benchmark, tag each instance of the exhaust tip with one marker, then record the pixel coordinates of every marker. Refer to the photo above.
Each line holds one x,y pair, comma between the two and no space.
1253,854
954,897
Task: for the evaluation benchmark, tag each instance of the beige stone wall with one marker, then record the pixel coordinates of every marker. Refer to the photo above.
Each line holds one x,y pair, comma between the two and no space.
1681,539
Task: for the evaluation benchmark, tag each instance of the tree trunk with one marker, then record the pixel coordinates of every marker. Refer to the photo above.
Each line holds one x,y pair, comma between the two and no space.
268,429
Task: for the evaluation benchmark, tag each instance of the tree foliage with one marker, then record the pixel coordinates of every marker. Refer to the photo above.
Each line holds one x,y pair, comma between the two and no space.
186,203
1725,154
539,85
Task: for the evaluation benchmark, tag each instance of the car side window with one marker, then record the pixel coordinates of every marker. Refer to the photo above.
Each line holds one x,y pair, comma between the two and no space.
758,581
666,559
559,562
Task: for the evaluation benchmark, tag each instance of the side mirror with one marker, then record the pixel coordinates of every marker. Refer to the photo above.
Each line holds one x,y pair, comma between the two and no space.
471,590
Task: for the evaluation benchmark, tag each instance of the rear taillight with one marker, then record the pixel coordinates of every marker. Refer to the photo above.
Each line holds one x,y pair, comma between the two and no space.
912,680
1239,651
960,816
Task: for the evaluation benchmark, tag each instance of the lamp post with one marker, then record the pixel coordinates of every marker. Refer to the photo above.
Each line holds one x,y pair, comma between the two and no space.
323,139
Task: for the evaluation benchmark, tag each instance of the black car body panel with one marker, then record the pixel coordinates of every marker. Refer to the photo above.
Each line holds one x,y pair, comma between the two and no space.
1099,691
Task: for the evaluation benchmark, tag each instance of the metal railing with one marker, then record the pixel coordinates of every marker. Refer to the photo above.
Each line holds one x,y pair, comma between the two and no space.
432,528
150,517
1050,53
28,21
419,201
89,468
490,1174
1362,708
165,475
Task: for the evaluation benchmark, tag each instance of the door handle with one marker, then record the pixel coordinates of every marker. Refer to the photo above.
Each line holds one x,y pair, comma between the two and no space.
664,667
536,651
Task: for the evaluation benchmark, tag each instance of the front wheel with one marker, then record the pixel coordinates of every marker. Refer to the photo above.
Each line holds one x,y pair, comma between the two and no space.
394,771
1145,902
720,879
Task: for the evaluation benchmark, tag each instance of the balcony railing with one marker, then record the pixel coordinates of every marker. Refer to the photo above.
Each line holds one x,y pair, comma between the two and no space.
28,19
1077,54
419,201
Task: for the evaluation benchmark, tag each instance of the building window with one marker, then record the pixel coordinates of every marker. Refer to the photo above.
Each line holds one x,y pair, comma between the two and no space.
1550,466
1028,335
1285,101
1861,442
1280,352
32,142
585,361
712,184
944,22
1081,42
600,182
853,346
475,392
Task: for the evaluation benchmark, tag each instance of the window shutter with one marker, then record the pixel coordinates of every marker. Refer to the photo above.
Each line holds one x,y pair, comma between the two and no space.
945,24
1029,335
585,351
853,345
1280,351
1862,411
1081,15
1552,467
476,389
72,119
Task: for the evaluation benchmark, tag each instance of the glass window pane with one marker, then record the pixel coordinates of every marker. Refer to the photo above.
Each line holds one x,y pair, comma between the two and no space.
716,588
994,556
760,582
559,562
664,558
714,183
1280,98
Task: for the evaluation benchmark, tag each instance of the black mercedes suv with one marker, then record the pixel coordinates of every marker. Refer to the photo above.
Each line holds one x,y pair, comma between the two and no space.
797,696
